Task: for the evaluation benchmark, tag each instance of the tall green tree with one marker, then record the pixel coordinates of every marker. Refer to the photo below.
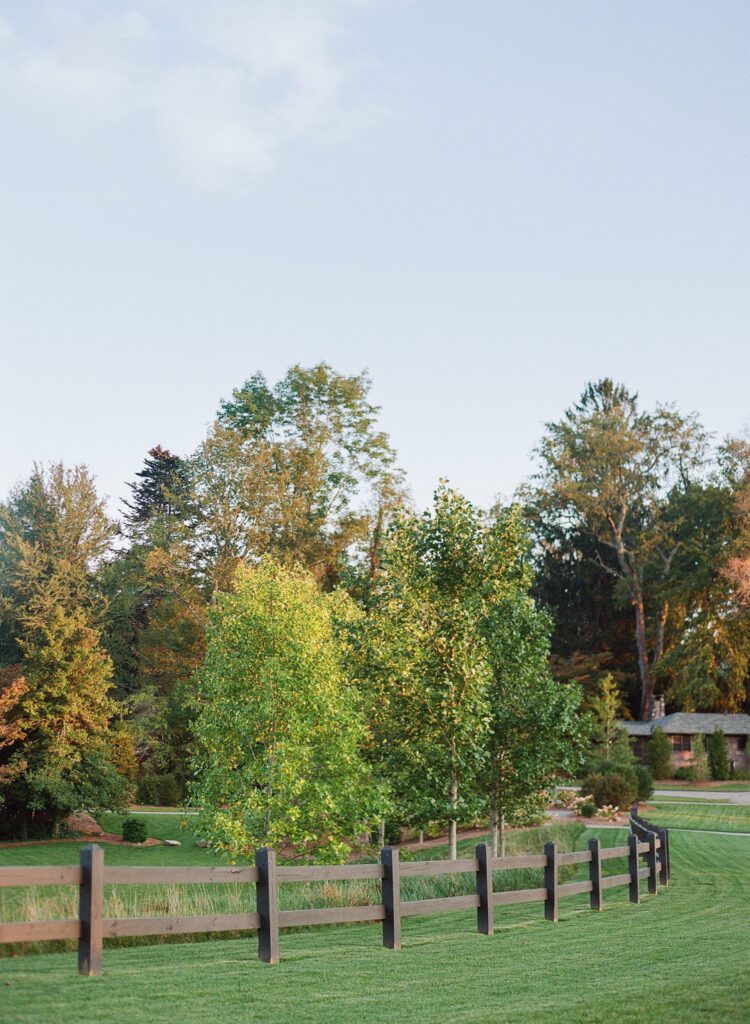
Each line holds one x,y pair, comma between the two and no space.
293,471
279,731
54,532
606,468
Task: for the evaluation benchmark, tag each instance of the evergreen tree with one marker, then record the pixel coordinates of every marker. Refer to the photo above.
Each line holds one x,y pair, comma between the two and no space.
718,755
659,754
54,531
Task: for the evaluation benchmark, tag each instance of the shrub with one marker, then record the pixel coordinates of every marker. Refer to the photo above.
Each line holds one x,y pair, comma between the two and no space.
134,830
685,773
587,809
659,754
618,789
160,790
644,782
700,766
609,812
718,755
741,774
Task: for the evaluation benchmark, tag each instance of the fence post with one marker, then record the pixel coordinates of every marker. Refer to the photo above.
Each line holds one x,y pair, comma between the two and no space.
550,881
651,861
485,923
635,890
667,860
391,894
267,905
595,874
91,910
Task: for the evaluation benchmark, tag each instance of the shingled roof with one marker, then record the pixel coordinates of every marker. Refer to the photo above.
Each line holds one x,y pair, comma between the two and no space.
682,722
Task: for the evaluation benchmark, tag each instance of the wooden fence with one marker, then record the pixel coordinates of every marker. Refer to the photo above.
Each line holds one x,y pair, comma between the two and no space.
91,875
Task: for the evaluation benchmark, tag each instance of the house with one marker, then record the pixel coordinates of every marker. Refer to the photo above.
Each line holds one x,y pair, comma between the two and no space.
683,728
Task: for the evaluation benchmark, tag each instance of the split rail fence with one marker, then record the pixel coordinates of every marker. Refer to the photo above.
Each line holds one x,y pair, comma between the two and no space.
91,875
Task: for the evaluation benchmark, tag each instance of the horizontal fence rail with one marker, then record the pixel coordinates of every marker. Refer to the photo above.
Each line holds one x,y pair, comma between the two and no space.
91,927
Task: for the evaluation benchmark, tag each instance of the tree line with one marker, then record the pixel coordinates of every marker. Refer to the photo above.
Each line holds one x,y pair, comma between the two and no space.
273,628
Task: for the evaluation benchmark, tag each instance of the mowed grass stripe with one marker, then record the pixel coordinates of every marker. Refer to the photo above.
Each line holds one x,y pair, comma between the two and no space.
682,954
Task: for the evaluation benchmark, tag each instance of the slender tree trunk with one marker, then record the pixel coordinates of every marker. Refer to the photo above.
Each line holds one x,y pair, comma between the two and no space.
421,837
647,682
495,813
453,830
501,830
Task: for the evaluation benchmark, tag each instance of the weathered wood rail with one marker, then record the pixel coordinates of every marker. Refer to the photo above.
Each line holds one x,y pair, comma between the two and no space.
91,876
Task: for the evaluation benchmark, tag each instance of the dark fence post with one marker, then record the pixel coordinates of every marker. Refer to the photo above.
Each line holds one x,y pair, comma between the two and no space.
635,890
595,874
267,905
391,894
485,923
550,881
651,861
668,858
663,866
91,910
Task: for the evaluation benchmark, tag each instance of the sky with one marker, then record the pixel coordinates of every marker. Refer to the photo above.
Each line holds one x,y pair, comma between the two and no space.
483,203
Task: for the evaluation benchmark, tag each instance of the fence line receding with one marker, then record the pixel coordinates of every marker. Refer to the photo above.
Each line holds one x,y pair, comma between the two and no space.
91,875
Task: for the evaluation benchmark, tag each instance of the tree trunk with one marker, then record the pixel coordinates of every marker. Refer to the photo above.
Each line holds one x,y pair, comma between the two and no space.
647,682
495,811
381,834
453,830
421,837
501,830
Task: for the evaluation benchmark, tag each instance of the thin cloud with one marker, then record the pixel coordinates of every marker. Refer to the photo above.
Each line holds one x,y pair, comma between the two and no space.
226,84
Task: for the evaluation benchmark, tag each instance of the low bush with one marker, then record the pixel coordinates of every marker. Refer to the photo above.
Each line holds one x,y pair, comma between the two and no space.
134,830
587,809
617,788
741,774
685,774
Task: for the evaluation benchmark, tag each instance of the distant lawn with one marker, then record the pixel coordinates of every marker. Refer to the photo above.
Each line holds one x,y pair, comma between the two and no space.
721,787
679,956
713,817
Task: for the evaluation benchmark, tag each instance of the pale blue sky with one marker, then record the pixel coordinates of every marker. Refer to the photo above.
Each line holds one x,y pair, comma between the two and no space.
484,203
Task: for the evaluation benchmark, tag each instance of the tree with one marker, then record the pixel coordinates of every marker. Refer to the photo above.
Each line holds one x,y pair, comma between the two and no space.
700,765
279,730
54,531
286,471
659,754
718,755
536,731
606,709
606,469
431,672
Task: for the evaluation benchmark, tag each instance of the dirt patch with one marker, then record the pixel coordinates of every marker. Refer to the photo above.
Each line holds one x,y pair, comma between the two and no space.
99,837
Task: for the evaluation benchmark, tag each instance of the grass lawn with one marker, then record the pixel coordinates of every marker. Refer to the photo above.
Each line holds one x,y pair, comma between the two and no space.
718,817
682,955
725,787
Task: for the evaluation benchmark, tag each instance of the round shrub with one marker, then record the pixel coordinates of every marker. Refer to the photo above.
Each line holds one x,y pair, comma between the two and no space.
134,830
587,810
618,789
685,773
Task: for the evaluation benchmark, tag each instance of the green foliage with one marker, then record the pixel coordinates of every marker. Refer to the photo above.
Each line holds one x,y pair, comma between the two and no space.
587,809
279,729
659,754
718,755
618,789
700,766
54,531
134,830
606,707
606,470
160,790
645,782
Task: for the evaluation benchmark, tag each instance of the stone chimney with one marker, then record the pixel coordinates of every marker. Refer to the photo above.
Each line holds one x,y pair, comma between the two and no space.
658,708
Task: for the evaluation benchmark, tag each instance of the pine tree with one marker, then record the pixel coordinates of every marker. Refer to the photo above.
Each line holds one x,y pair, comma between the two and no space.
659,754
718,755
